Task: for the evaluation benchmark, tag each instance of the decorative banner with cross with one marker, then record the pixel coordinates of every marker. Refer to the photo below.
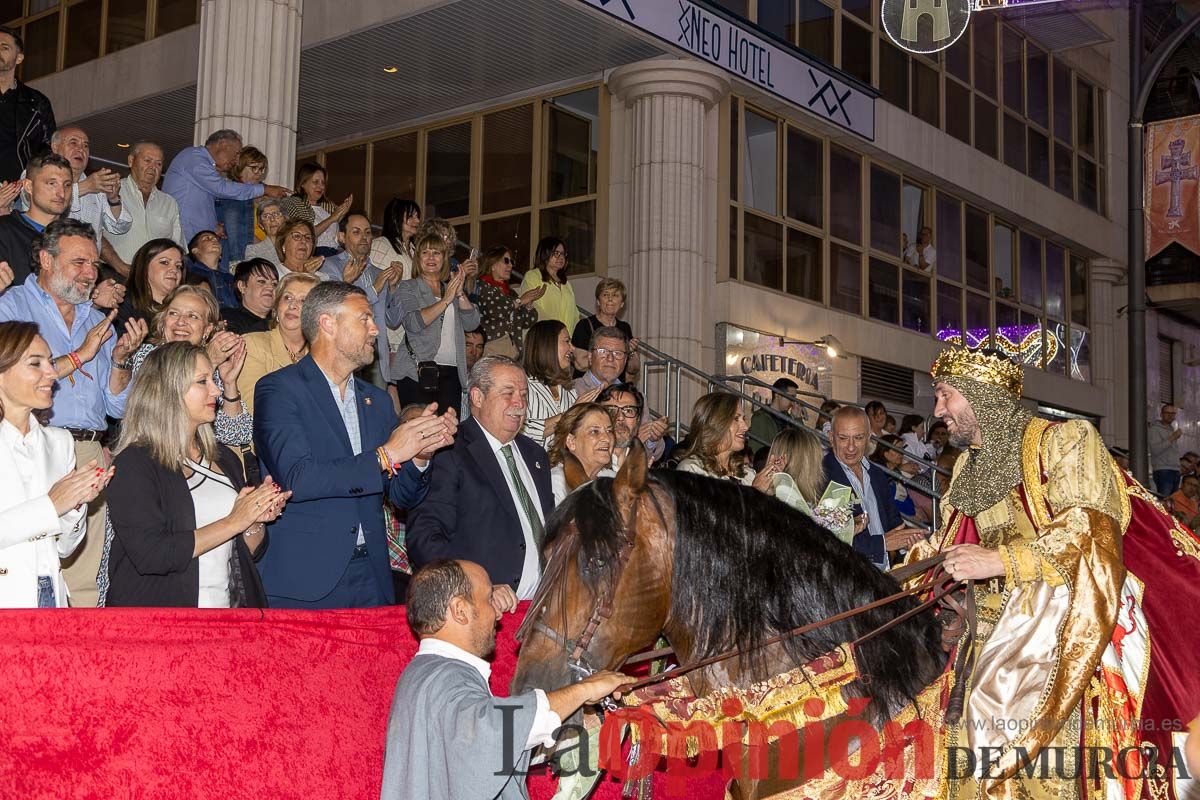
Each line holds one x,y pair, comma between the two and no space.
1172,187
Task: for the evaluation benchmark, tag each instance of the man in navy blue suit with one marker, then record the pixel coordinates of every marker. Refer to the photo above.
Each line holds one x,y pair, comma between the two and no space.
490,493
846,463
334,441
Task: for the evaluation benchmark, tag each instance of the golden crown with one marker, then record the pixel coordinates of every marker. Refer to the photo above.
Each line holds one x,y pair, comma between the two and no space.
958,362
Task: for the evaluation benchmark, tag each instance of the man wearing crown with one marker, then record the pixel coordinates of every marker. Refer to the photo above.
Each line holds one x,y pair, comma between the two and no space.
1086,664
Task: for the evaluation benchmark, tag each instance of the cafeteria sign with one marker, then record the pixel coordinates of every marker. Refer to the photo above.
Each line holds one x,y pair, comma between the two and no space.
769,358
779,70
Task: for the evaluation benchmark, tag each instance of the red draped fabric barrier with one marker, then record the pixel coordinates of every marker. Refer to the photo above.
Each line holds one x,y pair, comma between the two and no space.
173,703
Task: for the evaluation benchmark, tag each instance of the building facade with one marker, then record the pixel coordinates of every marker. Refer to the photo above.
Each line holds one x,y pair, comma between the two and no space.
759,176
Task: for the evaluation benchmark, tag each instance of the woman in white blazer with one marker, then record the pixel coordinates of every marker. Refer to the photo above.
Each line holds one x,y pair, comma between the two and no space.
43,497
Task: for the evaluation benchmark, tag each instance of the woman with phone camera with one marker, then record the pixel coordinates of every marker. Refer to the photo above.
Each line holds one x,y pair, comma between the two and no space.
436,315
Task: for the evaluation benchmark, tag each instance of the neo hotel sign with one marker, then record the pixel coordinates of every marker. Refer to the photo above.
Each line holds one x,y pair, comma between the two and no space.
726,44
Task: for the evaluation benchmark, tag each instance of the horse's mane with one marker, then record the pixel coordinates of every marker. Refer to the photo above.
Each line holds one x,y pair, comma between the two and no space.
748,567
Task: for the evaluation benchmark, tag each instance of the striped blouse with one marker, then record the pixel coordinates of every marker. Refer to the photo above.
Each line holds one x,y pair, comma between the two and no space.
542,406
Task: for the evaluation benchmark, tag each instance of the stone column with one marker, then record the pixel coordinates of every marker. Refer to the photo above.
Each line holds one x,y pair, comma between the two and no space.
667,124
249,77
1108,344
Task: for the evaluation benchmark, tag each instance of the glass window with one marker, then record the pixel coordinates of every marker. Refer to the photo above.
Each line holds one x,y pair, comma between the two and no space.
448,172
739,7
735,110
1081,355
176,14
574,144
1037,84
576,225
763,262
985,127
1031,344
511,232
1039,157
915,302
805,178
394,172
1002,258
912,211
41,48
976,239
83,33
883,292
1079,293
845,195
816,29
734,243
1085,116
804,268
859,8
126,24
1006,333
1014,78
857,44
949,237
926,100
346,175
893,75
1014,143
1031,270
845,279
762,146
949,311
1064,176
885,211
507,159
958,59
1057,348
958,111
14,9
979,320
1062,102
984,26
1088,189
778,18
1056,302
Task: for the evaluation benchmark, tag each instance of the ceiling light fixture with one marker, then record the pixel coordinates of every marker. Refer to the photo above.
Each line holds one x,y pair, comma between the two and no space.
391,70
123,145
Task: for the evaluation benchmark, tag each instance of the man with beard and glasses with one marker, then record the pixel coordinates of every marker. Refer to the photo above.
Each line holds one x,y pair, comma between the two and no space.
447,735
93,365
624,403
490,493
334,441
1079,576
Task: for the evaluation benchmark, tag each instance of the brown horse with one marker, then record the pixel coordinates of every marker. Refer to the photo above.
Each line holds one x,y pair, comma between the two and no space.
713,566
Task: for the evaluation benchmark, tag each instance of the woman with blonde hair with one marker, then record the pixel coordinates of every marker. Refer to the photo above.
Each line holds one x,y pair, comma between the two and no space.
716,441
802,476
183,528
582,449
190,314
284,343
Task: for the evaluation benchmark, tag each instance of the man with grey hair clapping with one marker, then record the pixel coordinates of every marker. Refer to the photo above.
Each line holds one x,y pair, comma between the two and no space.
334,441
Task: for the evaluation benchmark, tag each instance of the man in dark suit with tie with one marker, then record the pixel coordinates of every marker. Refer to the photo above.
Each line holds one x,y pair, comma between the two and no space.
490,493
335,442
846,463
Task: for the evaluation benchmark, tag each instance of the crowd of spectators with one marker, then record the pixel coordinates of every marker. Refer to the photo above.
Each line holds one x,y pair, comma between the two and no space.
299,408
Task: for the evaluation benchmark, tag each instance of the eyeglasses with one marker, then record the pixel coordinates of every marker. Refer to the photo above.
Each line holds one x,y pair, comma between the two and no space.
300,237
628,412
191,316
605,353
507,260
270,215
560,253
259,168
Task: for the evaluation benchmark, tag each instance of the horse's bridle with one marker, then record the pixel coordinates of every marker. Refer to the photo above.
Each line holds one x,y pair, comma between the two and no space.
579,661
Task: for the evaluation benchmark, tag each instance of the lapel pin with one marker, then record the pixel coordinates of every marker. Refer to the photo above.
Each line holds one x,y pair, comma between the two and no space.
537,465
367,400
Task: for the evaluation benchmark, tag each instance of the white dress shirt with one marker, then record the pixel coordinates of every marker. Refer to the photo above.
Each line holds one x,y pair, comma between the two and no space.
530,572
545,721
156,218
95,210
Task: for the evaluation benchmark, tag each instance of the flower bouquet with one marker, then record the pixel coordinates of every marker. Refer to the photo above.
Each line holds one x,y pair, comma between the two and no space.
835,511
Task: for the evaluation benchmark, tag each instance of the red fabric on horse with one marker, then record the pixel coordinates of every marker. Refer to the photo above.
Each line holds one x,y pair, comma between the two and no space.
169,703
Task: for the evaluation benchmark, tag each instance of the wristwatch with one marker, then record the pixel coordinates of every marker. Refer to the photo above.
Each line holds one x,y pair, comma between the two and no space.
112,202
